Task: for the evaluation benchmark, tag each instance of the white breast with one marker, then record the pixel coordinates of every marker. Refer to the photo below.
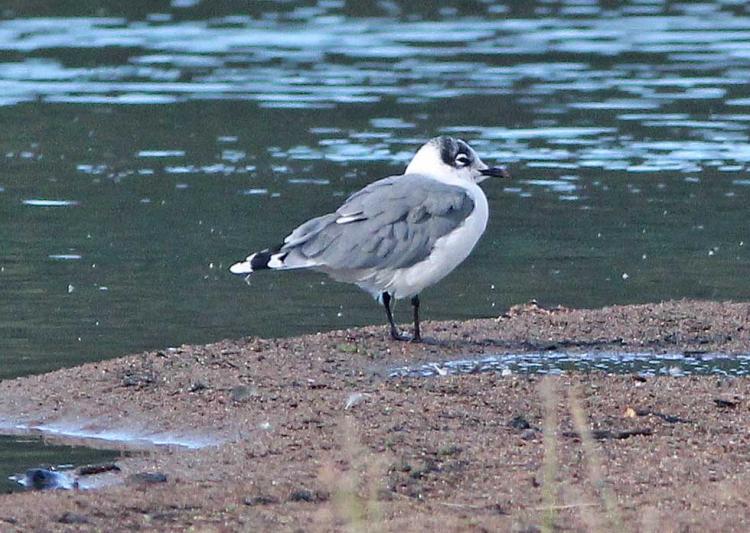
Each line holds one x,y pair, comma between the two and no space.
449,251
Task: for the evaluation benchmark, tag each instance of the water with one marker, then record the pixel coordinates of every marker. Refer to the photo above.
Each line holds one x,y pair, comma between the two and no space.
17,454
147,145
555,363
144,438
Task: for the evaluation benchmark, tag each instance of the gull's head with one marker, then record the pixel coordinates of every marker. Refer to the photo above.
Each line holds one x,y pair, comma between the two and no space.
449,159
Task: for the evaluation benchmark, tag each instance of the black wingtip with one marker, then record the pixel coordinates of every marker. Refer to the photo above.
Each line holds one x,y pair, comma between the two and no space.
260,260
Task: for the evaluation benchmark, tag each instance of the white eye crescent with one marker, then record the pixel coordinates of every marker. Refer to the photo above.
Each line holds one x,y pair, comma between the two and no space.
462,159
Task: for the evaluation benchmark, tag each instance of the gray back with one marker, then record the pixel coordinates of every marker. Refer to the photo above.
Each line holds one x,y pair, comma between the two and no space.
391,223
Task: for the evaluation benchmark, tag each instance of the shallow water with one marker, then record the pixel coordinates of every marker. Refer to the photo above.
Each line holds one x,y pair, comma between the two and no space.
147,147
18,454
24,448
556,363
132,437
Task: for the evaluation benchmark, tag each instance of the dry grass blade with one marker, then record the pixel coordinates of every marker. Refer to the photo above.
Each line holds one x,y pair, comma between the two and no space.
549,488
357,514
593,460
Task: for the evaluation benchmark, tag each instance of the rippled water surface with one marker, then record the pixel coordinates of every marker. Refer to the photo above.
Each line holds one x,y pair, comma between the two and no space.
555,363
147,145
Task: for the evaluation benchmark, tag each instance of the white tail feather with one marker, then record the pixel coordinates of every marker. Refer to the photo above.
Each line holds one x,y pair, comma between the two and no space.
243,267
277,260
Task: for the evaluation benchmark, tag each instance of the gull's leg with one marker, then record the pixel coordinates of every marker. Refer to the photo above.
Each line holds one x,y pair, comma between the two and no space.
415,304
395,334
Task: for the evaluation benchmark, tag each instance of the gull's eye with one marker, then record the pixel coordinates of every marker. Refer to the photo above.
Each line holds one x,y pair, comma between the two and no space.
462,160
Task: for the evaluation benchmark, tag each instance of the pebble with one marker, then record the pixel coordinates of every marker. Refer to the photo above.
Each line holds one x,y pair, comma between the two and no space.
355,399
242,393
260,500
305,495
73,518
90,470
302,495
147,478
198,385
519,422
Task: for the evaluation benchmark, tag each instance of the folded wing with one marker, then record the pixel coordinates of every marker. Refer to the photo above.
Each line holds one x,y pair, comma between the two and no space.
392,223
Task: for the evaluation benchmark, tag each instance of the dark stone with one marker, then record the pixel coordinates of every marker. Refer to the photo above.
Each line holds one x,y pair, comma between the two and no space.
260,500
605,434
43,479
672,419
40,478
519,422
90,470
726,403
73,518
304,495
147,478
499,509
197,386
138,378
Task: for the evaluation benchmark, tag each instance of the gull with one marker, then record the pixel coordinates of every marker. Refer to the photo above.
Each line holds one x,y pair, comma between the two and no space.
399,234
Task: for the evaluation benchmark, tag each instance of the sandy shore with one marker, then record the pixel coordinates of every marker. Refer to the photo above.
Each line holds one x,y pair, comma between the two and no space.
309,433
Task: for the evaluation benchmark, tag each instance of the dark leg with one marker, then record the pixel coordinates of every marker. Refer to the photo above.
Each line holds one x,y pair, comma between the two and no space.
395,334
415,303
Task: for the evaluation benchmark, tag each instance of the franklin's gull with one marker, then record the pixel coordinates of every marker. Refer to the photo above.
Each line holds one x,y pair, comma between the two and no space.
398,235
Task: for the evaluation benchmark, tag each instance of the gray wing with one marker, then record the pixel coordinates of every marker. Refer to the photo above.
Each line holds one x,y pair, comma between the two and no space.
391,223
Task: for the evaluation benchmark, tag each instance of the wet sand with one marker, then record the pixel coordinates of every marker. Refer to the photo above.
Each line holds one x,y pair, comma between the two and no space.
308,433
